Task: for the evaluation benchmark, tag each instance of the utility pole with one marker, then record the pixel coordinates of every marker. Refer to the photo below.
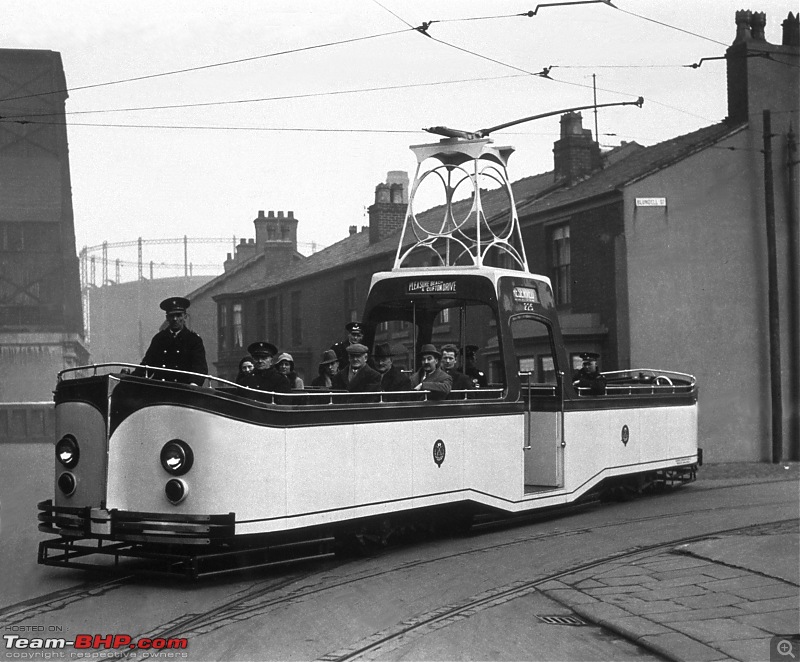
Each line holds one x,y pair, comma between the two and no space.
774,309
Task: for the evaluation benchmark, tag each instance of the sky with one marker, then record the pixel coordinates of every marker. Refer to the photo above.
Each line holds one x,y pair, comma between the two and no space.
305,105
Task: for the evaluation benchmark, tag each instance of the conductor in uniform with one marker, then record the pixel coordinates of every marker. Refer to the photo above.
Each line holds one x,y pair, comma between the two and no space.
589,376
265,377
175,347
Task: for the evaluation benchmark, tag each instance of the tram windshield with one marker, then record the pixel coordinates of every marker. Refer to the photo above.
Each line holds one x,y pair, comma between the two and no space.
471,326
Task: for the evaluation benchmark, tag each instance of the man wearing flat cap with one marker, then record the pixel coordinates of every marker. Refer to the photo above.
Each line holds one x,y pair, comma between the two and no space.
357,377
589,376
175,348
264,377
392,378
355,334
430,377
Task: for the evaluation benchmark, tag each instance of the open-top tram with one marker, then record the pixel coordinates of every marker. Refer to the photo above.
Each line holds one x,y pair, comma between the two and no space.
157,469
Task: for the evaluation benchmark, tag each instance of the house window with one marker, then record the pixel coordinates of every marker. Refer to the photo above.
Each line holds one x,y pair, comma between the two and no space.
350,300
261,318
297,320
222,327
238,339
560,264
273,325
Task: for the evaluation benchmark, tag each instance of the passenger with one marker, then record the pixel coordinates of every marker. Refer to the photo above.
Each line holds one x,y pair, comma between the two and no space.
471,370
246,366
175,347
589,376
460,380
430,377
285,365
358,376
265,377
355,334
328,367
392,378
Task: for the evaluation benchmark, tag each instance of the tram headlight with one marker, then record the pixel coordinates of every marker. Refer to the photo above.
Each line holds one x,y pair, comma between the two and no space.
177,457
176,490
67,483
67,451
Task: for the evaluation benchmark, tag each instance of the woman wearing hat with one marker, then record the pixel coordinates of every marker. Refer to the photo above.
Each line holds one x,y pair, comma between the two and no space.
284,364
328,367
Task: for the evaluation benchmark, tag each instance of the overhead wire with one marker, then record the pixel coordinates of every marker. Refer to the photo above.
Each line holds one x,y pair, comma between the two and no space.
207,66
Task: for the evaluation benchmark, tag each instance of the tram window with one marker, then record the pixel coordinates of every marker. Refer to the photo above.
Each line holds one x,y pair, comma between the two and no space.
547,370
533,347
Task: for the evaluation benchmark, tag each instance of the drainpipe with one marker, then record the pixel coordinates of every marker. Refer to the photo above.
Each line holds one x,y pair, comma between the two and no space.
794,292
774,311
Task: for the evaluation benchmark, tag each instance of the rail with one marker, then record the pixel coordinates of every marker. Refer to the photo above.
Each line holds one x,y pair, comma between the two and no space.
307,396
644,381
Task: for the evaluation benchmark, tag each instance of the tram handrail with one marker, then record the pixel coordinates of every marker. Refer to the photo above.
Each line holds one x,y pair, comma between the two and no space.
321,397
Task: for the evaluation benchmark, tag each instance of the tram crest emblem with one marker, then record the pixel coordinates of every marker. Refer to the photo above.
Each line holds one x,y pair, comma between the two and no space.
626,435
438,452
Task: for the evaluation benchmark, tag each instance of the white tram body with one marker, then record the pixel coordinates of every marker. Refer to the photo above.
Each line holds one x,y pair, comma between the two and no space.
155,464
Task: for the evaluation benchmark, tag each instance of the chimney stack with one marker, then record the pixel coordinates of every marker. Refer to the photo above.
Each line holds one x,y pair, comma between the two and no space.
576,154
387,214
755,82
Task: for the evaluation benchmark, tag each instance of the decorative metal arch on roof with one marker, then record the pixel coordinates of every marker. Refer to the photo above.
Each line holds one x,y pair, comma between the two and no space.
458,233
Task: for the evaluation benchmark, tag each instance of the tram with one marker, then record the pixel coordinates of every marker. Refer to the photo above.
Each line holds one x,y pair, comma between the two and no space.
178,473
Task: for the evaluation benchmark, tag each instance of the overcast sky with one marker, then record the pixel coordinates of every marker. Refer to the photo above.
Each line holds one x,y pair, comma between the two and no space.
285,132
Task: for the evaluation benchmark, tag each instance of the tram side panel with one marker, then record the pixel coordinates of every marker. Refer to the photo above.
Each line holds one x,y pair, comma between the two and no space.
611,442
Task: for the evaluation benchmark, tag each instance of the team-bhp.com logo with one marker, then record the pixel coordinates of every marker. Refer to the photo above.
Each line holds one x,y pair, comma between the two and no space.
95,642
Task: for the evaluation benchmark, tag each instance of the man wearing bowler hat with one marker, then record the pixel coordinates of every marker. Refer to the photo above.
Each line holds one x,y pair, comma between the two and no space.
392,378
357,377
175,347
430,377
355,334
265,377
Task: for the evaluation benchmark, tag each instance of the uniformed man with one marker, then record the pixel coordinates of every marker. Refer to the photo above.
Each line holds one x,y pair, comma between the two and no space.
176,348
355,334
471,369
264,377
589,376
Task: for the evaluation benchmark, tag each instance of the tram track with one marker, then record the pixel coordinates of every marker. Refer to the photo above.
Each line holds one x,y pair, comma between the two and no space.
384,641
59,600
249,606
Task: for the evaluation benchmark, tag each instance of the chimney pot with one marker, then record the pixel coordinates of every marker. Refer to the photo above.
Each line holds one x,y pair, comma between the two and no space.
742,25
758,21
271,214
291,214
261,213
353,229
791,30
280,214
